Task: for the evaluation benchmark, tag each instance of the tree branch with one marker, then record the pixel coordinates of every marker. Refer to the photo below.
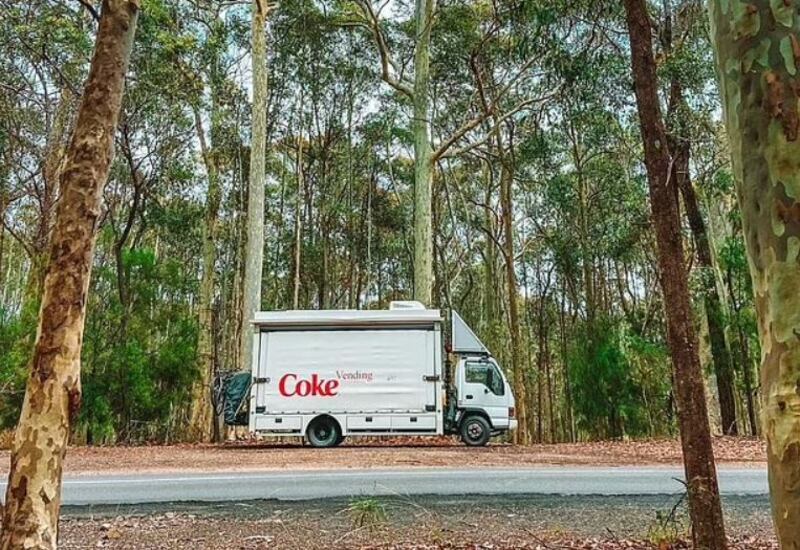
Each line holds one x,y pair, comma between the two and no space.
372,23
442,150
90,9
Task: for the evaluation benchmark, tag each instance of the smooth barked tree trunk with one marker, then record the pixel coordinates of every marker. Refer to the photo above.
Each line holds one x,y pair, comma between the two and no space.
521,435
758,49
254,249
53,394
201,416
423,165
705,509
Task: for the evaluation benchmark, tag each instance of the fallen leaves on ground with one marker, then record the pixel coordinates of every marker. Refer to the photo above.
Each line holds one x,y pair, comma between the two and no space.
184,531
388,453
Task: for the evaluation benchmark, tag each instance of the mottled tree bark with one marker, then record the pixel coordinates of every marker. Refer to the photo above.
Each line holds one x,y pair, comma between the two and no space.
758,49
704,503
423,165
254,248
53,394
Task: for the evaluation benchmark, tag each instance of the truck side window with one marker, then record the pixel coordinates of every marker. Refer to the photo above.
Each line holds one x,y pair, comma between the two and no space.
486,374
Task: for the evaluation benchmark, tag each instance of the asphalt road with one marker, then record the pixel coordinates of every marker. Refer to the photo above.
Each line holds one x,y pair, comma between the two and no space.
300,485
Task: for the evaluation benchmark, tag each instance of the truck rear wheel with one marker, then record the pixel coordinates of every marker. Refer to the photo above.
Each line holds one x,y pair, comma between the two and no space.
475,431
324,431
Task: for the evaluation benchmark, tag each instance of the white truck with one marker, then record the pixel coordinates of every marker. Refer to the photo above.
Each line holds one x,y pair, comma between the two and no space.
327,375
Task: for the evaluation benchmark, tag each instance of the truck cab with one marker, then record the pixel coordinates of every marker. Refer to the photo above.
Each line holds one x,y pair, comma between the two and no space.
482,387
481,403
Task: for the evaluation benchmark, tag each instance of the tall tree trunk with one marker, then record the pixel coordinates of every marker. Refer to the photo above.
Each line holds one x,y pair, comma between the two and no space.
745,362
3,203
53,394
254,249
517,361
757,59
542,369
298,221
720,354
201,415
723,368
747,379
423,167
489,287
565,364
704,502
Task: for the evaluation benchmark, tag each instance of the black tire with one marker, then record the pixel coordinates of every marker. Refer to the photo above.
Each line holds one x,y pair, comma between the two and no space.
475,431
324,431
340,440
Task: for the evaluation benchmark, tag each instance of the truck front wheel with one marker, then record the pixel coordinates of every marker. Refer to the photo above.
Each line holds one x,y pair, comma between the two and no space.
475,431
324,431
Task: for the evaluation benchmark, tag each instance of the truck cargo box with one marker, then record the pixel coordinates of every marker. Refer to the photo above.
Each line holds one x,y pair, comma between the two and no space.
373,371
341,371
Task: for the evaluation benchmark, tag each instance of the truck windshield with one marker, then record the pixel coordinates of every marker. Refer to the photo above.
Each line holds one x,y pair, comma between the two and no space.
482,372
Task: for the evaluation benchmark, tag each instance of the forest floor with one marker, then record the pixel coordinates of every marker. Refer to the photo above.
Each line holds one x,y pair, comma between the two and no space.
532,522
387,453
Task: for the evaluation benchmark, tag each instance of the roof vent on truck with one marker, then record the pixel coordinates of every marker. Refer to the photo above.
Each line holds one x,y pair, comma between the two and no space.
406,304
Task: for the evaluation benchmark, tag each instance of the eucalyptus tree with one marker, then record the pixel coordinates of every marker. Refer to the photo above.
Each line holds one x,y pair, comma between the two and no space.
757,53
323,162
687,62
708,529
53,394
137,265
215,102
40,76
364,15
254,244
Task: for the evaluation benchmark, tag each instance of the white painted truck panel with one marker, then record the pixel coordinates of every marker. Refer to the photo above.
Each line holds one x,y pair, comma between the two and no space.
349,371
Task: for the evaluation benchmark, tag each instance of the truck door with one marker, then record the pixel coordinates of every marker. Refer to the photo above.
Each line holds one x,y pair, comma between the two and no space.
482,386
433,360
260,373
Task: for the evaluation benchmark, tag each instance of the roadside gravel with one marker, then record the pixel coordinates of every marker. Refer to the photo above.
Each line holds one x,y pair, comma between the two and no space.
466,522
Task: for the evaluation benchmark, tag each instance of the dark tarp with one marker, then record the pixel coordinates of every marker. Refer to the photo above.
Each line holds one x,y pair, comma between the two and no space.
236,392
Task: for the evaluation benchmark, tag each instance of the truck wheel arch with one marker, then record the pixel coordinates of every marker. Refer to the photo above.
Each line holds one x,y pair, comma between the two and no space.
474,412
332,421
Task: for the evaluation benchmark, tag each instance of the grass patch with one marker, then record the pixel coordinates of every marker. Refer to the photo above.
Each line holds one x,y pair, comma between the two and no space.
367,513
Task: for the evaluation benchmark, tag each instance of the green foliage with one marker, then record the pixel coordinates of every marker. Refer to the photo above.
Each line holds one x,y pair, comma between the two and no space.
138,362
15,338
617,379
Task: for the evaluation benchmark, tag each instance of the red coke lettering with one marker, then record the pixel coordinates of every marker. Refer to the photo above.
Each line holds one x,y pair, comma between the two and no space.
290,386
